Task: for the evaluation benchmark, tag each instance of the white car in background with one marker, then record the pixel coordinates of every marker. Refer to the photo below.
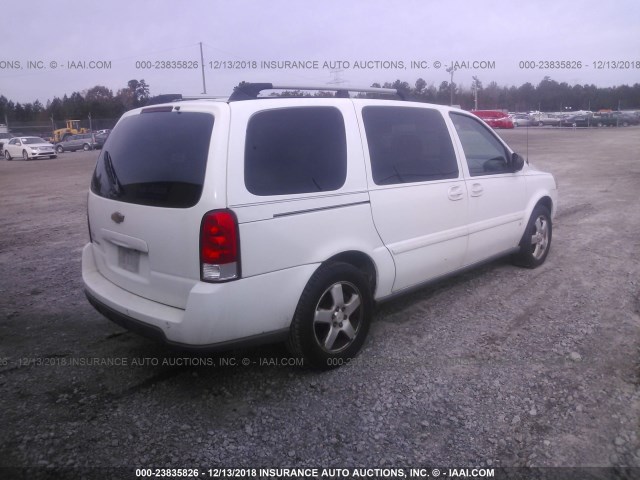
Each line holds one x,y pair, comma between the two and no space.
28,148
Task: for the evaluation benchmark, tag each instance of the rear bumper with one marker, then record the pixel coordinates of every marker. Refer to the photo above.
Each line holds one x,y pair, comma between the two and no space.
157,334
218,316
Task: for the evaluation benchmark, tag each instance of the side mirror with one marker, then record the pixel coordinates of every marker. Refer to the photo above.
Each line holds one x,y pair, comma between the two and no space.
517,162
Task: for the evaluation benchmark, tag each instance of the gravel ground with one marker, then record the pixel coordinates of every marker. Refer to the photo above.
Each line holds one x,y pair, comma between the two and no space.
499,366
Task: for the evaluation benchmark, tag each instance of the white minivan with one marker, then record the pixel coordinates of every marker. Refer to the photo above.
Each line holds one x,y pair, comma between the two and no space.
223,222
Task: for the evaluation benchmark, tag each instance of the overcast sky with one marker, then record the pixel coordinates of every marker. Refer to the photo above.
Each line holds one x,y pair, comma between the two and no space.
501,33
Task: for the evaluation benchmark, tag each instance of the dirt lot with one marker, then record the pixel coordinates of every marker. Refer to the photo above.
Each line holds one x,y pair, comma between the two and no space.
497,367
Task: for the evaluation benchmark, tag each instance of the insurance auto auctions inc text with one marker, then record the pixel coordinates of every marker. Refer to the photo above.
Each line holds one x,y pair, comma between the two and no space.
283,473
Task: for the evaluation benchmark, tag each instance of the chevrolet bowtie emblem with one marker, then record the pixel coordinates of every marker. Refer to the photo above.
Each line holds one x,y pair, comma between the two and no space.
117,217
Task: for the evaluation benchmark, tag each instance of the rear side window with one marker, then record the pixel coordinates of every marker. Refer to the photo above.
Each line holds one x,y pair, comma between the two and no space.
408,145
155,158
295,150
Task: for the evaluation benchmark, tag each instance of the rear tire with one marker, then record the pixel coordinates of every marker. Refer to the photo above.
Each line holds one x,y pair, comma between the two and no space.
25,155
536,241
86,147
332,318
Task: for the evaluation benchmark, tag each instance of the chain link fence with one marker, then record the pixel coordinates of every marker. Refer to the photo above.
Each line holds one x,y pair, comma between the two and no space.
45,129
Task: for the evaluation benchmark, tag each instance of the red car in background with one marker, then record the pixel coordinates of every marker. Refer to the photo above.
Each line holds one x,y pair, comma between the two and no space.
494,118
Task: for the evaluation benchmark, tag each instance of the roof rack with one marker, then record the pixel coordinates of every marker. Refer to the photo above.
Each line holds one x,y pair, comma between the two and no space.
250,91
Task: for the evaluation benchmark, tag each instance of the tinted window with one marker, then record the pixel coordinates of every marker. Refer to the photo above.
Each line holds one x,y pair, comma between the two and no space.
408,145
485,153
155,158
295,150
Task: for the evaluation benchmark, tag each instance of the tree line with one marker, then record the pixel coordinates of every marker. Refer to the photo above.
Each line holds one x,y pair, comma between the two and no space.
549,95
98,101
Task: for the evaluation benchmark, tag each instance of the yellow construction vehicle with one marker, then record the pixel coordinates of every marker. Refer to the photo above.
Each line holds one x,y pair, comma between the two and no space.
73,128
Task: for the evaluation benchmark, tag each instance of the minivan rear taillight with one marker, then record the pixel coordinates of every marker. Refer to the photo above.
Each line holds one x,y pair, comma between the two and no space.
219,247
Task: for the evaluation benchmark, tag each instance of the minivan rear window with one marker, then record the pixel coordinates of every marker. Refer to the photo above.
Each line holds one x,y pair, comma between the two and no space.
155,158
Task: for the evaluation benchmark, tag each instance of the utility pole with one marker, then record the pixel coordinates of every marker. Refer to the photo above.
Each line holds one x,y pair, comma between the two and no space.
450,70
204,85
476,84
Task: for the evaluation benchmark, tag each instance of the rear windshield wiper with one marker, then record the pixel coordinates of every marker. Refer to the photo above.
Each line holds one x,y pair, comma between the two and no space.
111,172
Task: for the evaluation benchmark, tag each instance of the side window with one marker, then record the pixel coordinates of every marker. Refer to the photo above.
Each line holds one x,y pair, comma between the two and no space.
485,154
408,145
295,150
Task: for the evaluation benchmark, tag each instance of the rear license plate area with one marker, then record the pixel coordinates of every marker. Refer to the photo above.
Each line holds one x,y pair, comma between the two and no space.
129,259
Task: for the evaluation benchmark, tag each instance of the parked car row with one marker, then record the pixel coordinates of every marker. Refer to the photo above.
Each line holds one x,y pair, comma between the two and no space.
30,147
500,119
576,119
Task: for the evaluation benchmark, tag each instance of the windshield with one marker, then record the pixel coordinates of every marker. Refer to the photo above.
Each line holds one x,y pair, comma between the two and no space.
155,158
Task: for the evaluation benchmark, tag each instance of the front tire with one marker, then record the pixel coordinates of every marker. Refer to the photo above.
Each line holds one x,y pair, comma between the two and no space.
536,241
59,149
86,147
332,318
25,155
7,155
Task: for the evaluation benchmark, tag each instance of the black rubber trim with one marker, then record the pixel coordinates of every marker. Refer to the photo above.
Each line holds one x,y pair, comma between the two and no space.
320,209
155,333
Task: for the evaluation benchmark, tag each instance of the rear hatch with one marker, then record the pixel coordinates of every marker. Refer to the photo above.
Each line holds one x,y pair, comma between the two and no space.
143,214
